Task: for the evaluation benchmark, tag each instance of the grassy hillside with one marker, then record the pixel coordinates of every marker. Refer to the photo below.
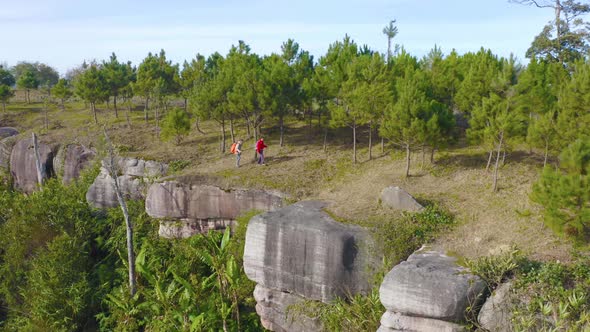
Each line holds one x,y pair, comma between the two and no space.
457,181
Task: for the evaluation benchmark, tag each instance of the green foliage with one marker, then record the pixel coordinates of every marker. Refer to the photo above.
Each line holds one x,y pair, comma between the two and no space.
178,165
397,239
5,94
176,125
565,192
496,268
62,90
6,78
359,313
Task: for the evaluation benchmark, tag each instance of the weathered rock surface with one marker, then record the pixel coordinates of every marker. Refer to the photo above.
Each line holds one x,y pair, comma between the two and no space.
391,321
23,167
7,132
399,199
430,284
428,292
301,250
275,309
183,228
70,160
135,176
6,145
496,312
185,201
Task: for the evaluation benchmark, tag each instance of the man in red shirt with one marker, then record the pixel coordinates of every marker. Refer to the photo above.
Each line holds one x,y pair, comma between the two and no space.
260,149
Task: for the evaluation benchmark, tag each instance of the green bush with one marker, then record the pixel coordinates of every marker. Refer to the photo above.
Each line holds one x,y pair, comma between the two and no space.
176,125
497,268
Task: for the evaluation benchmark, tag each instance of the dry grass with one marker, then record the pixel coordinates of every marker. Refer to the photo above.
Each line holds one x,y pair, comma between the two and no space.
487,222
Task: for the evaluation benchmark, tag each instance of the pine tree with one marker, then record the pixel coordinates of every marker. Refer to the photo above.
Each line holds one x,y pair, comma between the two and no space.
92,87
28,81
62,91
6,93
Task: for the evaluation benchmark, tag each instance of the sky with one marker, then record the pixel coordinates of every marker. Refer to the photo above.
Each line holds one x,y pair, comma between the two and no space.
64,33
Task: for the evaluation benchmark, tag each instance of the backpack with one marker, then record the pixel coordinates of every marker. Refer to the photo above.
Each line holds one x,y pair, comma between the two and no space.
233,148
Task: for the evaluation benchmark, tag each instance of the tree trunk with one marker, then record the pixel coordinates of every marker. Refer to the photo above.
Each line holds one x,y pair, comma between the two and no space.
27,96
354,142
281,124
222,135
145,109
382,145
503,157
231,129
127,115
4,106
407,160
546,153
423,156
197,125
186,105
115,106
93,107
45,110
157,116
432,155
370,140
325,139
309,131
255,141
129,227
489,160
248,127
495,185
40,169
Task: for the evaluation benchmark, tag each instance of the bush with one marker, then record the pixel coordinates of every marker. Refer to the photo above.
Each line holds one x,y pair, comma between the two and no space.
176,125
495,269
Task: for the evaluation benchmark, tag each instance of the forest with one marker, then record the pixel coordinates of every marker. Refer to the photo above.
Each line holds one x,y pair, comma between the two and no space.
63,264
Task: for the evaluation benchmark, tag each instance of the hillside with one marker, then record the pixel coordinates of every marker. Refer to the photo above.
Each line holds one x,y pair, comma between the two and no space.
457,181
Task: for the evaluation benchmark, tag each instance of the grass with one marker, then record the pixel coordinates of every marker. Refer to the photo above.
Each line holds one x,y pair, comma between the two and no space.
457,181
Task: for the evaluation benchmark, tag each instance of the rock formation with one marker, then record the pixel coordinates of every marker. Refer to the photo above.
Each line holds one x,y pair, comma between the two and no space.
428,292
70,160
399,199
187,209
301,251
135,176
22,164
273,308
7,132
496,312
7,141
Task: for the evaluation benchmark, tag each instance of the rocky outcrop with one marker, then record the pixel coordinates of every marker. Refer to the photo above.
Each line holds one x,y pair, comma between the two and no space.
278,311
188,209
428,292
22,164
6,145
496,312
70,160
300,250
399,199
135,175
7,132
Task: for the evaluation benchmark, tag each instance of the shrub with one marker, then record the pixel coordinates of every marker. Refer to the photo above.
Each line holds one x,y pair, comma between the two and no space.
176,125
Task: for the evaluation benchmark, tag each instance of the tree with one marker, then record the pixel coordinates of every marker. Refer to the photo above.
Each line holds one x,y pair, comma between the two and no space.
62,91
542,133
92,87
405,119
573,120
176,125
27,81
564,192
564,39
6,93
118,75
6,77
390,31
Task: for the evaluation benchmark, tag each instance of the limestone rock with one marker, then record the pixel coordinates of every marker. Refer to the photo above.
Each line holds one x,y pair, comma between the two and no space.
7,132
275,309
430,285
183,228
23,167
391,321
134,177
302,250
185,201
399,199
70,160
496,312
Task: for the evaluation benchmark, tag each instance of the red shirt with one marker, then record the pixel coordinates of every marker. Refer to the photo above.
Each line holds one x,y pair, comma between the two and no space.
260,146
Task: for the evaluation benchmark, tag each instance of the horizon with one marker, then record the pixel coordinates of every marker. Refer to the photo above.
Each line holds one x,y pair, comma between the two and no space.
57,34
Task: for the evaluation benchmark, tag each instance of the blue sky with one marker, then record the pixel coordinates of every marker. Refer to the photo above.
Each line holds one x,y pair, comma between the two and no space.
63,33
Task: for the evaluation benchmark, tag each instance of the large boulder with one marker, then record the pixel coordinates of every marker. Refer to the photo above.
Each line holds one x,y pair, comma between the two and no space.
134,176
300,249
496,312
70,160
428,292
7,132
177,200
399,199
277,311
23,167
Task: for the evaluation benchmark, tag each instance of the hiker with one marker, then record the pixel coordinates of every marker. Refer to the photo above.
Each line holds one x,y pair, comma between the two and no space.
238,152
260,149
